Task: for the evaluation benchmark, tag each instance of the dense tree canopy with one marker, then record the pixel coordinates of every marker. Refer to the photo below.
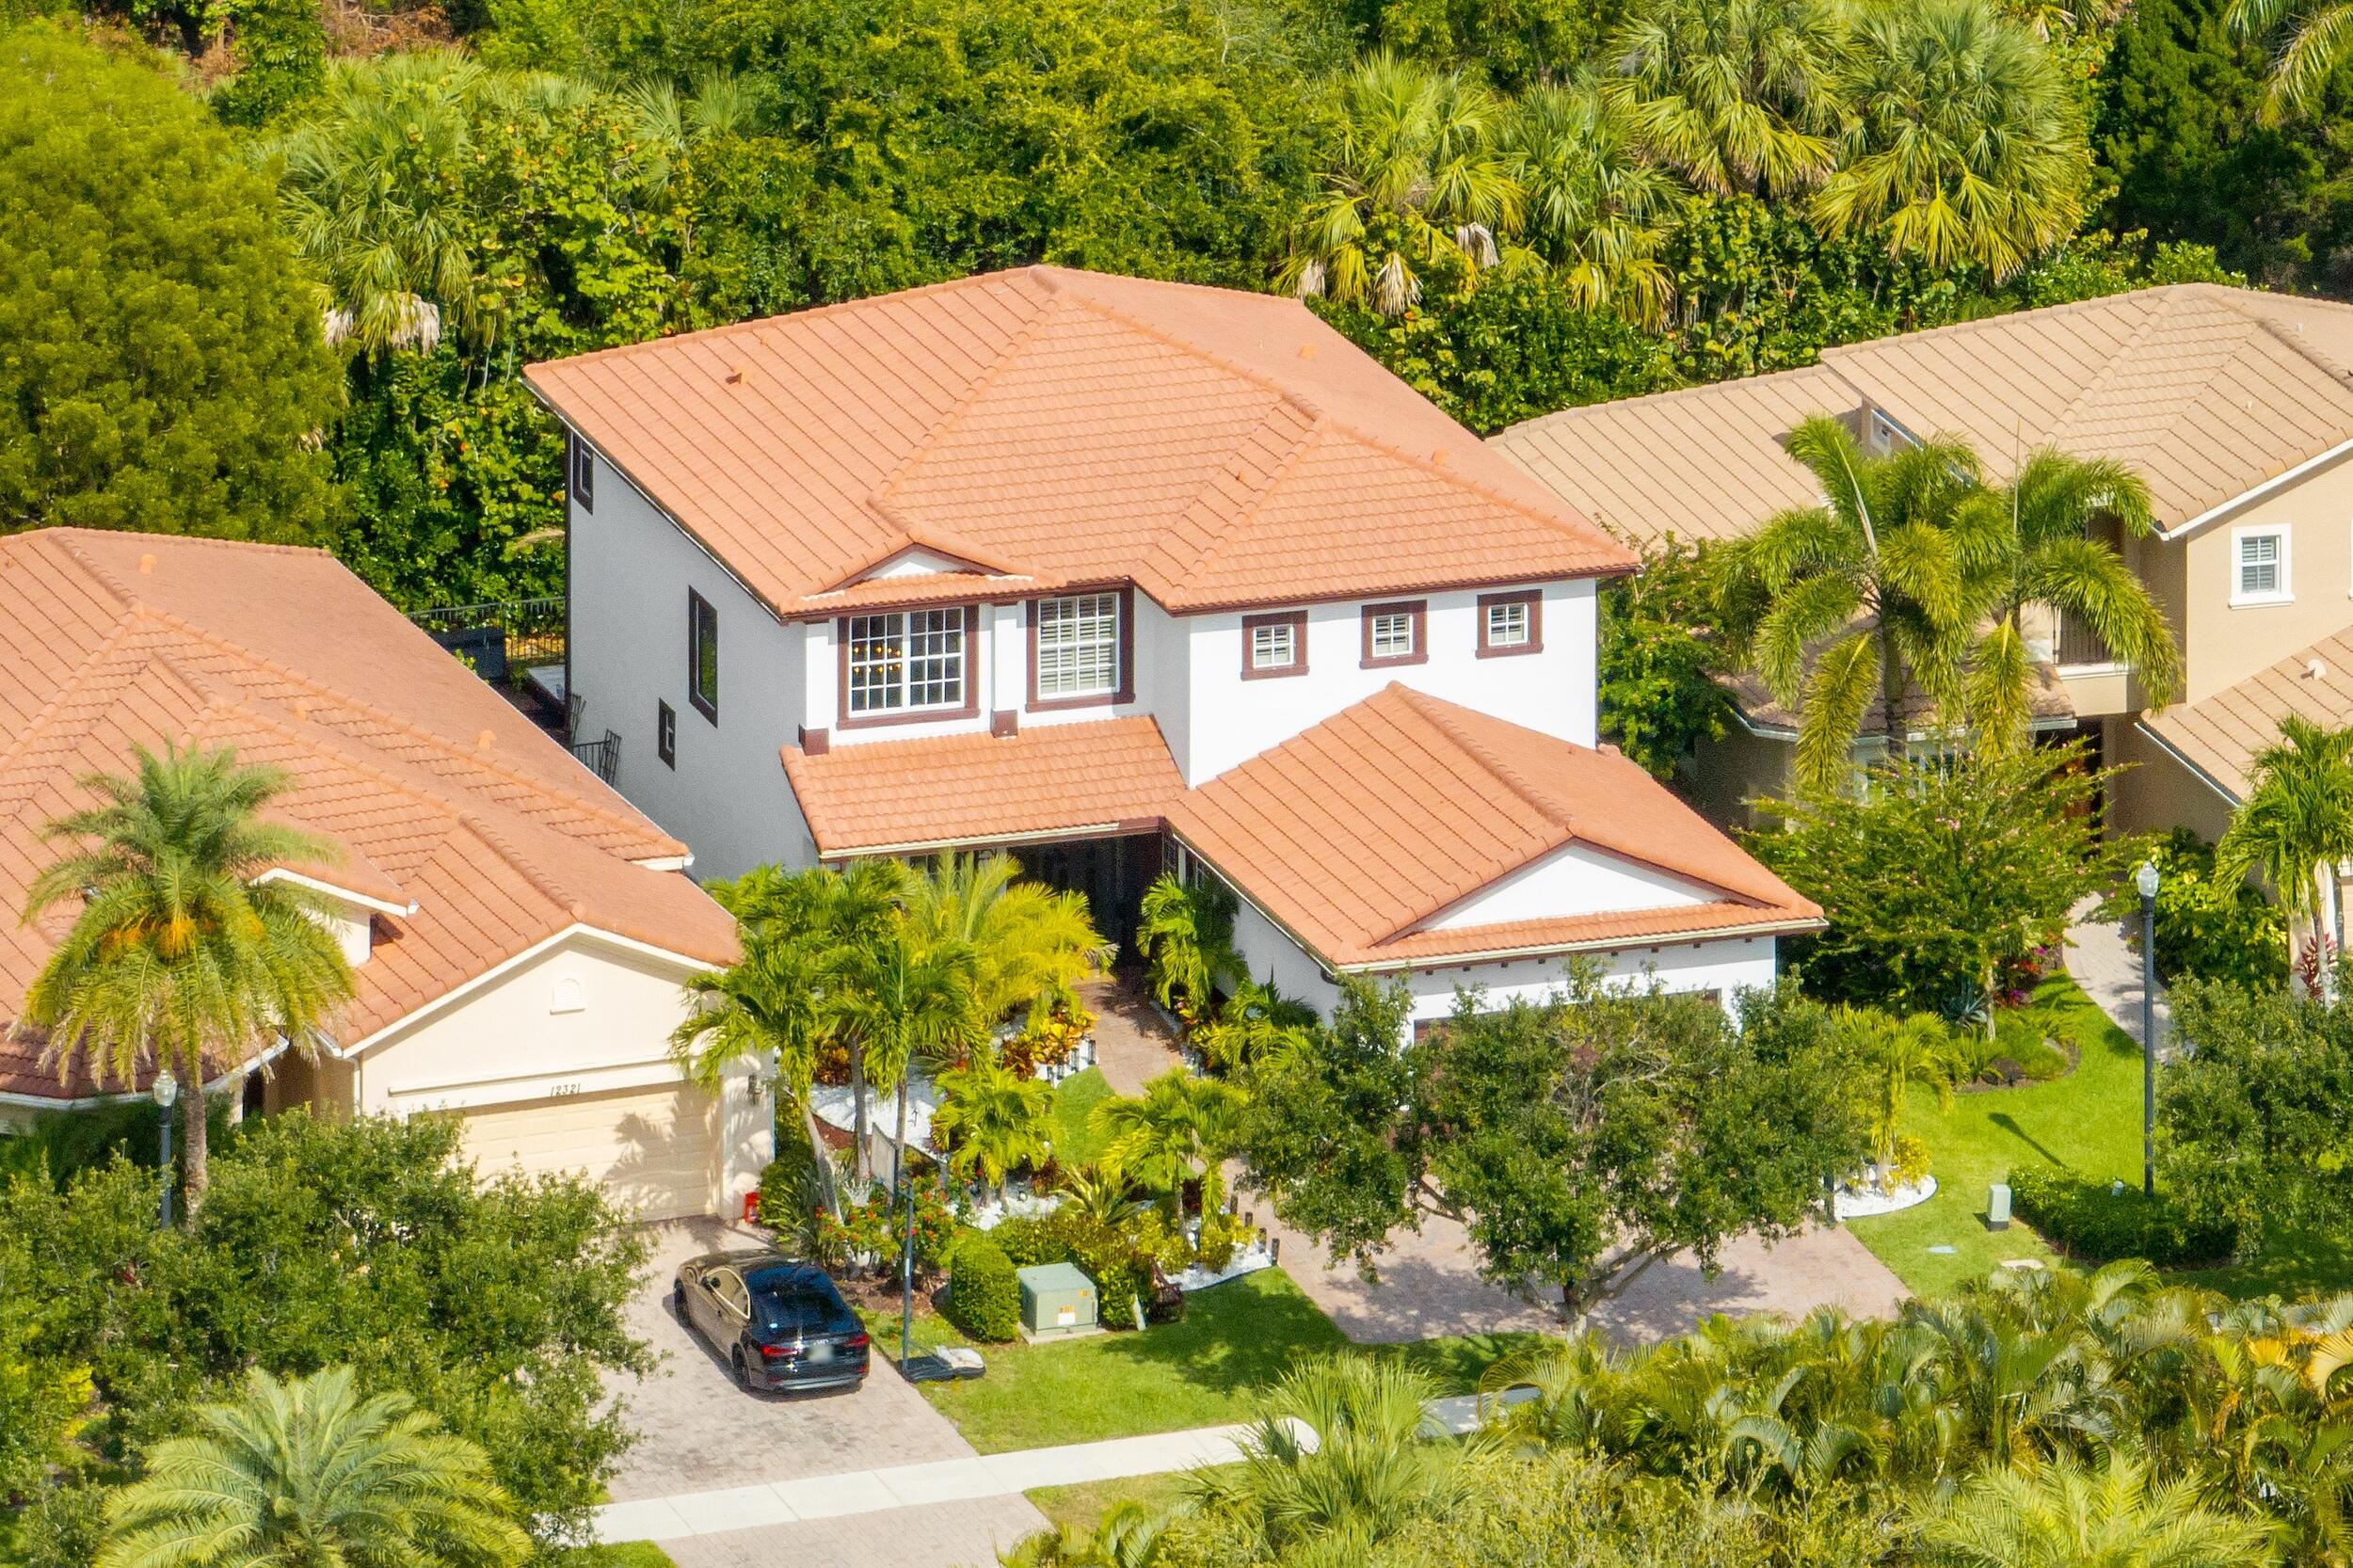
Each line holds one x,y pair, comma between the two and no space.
163,368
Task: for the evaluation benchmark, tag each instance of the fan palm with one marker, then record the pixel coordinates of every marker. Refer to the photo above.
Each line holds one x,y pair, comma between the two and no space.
998,1120
1596,210
1415,173
1859,598
1739,95
2319,39
1031,943
307,1472
2295,823
2029,542
1171,1133
2067,1514
182,956
1966,146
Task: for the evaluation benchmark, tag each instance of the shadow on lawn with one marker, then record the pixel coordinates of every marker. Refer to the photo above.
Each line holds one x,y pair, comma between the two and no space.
2008,1123
1241,1335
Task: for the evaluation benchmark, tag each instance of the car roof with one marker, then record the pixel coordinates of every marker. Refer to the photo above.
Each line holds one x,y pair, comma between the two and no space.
785,1274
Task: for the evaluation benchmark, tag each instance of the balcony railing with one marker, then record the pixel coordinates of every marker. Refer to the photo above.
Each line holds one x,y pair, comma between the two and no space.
2079,644
603,758
500,639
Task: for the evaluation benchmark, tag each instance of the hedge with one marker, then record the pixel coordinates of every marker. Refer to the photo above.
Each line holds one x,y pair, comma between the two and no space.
984,1294
2092,1222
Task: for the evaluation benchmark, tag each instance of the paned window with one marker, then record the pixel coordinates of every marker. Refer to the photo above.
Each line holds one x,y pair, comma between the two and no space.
907,662
1078,646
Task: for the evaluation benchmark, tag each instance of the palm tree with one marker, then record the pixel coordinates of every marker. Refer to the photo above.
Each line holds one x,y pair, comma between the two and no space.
2294,825
1337,1462
182,957
1596,210
1031,943
1171,1134
2067,1514
905,1000
306,1472
1860,597
1185,933
1129,1536
1258,1023
370,193
2029,542
2319,39
1414,175
1097,1195
1739,95
1966,144
1900,1052
996,1118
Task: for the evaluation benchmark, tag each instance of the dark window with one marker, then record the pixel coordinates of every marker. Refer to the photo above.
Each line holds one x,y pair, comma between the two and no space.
584,475
702,656
666,733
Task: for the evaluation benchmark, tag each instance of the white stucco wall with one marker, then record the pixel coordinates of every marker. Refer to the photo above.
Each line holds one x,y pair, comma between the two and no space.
727,796
1571,881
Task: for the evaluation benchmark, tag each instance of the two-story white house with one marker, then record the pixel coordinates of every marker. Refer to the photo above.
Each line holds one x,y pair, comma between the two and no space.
1122,575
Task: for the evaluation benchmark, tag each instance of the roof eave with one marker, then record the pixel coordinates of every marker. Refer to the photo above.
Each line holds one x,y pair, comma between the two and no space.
1792,926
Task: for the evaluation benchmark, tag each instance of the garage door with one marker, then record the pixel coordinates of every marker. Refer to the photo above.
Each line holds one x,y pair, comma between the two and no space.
655,1150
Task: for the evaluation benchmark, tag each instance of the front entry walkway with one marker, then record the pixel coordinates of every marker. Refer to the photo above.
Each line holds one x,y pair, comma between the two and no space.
2102,959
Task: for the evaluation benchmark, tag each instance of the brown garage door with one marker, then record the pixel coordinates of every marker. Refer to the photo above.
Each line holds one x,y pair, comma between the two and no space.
655,1150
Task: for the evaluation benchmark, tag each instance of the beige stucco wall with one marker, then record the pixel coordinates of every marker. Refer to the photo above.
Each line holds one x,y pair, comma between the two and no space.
2155,793
2225,644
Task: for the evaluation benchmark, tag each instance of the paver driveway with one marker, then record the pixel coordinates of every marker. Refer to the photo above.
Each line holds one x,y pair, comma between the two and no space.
697,1431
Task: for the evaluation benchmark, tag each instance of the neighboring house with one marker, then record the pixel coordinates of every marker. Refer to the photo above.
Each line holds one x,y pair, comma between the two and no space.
2236,408
1070,564
517,932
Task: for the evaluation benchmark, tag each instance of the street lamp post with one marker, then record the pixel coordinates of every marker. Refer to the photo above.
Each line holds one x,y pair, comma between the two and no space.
2145,880
166,1090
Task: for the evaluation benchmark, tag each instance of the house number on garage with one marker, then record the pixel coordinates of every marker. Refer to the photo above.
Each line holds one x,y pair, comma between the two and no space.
557,1090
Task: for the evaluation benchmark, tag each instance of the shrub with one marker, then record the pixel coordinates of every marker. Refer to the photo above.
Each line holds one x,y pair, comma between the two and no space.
2206,931
1030,1242
1122,1273
2092,1221
1911,1162
983,1295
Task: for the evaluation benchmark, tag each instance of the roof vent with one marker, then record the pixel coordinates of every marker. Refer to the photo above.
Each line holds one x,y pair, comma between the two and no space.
1306,351
147,566
735,376
485,740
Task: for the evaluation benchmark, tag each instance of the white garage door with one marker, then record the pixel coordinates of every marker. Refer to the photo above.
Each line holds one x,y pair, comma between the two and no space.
655,1150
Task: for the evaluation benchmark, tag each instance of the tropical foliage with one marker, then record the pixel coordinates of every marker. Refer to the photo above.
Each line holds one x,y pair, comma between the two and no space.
992,1120
2295,824
1659,656
2208,928
1171,1135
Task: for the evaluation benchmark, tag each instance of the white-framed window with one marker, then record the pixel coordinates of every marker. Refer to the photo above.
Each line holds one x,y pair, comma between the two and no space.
1078,646
1508,624
1392,635
907,662
1274,644
2260,565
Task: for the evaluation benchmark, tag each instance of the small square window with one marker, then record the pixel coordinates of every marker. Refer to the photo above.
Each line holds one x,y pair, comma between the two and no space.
2260,567
1393,634
584,475
666,733
1274,645
1510,624
702,656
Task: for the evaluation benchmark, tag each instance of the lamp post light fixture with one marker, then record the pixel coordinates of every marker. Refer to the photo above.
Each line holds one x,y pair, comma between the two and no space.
2145,882
165,1092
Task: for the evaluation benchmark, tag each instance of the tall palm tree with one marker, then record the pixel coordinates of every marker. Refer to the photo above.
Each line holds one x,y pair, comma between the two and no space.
2294,825
181,957
905,999
2319,39
2067,1514
307,1473
1031,943
2029,542
1739,95
1170,1134
1859,598
999,1120
1966,143
1415,173
1596,211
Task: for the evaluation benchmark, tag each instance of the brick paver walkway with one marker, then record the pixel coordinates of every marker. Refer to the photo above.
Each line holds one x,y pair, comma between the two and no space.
2106,966
1131,1043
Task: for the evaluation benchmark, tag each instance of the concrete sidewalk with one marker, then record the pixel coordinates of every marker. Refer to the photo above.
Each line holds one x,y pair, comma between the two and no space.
946,1481
2101,957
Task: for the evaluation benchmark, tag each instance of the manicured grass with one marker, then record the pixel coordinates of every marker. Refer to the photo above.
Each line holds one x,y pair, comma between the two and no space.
618,1554
2087,1125
1083,1508
1237,1339
1075,1099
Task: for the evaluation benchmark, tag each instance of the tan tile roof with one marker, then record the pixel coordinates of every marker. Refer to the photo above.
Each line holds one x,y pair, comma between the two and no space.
2049,703
2219,735
440,793
1356,833
1048,780
2207,391
1216,447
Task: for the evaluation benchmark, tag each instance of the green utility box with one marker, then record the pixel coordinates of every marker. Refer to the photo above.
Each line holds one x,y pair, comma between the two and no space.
1057,1302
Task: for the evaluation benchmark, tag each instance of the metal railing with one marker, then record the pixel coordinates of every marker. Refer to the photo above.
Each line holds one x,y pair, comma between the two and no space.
500,638
603,758
2079,644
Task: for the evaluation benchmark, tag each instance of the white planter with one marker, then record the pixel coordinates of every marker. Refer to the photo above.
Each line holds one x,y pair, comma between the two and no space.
1851,1204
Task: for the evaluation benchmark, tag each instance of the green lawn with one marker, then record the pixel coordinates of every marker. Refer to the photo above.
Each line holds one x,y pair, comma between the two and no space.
1237,1339
1075,1099
619,1554
1082,1507
2087,1123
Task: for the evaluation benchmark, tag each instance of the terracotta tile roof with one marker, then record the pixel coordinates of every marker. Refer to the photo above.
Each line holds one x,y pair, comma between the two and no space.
2207,391
440,794
1048,780
1216,447
931,587
1356,833
2219,735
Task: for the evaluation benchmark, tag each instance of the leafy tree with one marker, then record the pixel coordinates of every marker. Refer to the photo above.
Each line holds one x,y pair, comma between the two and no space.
1942,872
1580,1140
2295,823
1595,208
2210,929
1966,146
42,1404
1176,1131
1518,43
2072,1514
305,1470
164,369
177,958
1031,943
1740,95
2252,1123
1858,599
1659,657
993,1119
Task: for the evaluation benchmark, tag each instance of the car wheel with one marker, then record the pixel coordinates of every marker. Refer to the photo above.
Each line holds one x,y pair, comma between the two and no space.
678,1303
743,1374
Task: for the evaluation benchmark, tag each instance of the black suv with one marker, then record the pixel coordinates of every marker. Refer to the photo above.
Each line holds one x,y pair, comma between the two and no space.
779,1322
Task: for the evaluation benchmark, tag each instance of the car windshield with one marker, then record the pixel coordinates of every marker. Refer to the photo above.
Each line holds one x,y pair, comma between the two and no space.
786,1311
